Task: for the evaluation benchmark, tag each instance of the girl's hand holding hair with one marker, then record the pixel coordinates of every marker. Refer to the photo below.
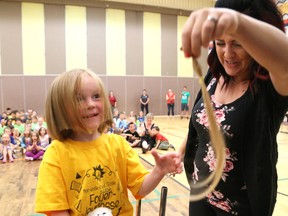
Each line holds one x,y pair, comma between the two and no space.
206,25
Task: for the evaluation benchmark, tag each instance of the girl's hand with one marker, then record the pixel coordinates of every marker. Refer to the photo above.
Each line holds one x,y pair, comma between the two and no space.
206,25
168,163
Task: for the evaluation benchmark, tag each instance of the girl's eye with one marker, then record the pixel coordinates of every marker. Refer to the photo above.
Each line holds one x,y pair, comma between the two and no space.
96,96
237,45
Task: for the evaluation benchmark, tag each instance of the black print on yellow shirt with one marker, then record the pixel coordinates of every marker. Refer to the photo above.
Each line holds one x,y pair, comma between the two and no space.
97,187
98,173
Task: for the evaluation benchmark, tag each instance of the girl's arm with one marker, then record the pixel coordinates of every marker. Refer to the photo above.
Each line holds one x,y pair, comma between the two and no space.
29,147
168,163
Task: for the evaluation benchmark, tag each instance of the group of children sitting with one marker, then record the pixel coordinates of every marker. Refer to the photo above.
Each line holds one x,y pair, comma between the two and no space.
139,131
26,135
29,134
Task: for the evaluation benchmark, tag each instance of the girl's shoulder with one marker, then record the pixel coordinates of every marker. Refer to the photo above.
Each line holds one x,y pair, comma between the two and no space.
114,138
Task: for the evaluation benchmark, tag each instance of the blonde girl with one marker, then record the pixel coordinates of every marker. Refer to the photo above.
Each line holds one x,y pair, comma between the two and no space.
84,168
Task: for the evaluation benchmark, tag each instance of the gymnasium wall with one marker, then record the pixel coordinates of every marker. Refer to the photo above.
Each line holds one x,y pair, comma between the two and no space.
130,50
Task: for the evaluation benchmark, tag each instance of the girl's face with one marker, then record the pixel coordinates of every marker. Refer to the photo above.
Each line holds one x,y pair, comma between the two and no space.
3,122
233,57
91,106
34,137
16,132
5,138
42,131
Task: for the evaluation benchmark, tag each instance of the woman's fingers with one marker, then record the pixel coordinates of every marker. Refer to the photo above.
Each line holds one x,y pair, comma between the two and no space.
204,26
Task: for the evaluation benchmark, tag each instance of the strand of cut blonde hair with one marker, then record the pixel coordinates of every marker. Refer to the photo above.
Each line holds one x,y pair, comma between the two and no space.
208,185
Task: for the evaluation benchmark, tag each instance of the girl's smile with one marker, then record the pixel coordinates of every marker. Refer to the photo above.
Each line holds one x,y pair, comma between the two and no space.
90,103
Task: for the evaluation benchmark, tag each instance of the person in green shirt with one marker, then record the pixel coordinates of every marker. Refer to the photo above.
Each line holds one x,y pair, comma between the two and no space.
185,98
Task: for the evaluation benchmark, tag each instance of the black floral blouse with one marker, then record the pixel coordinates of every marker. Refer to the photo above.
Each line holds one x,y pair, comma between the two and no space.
231,192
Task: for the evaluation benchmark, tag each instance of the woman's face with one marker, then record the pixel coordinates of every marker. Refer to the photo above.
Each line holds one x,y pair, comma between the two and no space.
233,57
149,120
91,106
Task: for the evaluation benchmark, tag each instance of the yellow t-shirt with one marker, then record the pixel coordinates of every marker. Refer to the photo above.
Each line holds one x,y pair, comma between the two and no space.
82,176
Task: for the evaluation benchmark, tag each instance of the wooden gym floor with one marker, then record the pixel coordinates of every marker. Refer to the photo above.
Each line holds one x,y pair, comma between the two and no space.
18,180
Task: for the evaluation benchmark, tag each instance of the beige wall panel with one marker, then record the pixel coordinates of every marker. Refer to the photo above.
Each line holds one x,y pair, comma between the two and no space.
96,40
10,38
134,43
115,42
180,4
169,45
55,55
152,44
35,89
184,65
12,90
33,38
76,37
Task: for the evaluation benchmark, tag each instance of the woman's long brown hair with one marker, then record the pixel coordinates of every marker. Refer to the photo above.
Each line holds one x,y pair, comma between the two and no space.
206,186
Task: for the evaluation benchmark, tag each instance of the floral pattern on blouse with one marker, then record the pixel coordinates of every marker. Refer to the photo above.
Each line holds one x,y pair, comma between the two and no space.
216,198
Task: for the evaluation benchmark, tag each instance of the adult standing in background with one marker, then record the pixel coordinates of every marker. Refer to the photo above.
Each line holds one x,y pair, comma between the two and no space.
113,100
144,100
185,98
170,99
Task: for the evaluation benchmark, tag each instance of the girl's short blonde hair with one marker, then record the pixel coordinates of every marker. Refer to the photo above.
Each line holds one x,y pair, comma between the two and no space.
62,99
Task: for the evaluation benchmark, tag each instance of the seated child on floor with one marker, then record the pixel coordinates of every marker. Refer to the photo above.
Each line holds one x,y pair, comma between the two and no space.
44,138
162,142
34,150
6,148
132,135
141,118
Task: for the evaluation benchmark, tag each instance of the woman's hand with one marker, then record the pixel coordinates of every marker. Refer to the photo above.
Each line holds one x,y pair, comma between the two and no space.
206,25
